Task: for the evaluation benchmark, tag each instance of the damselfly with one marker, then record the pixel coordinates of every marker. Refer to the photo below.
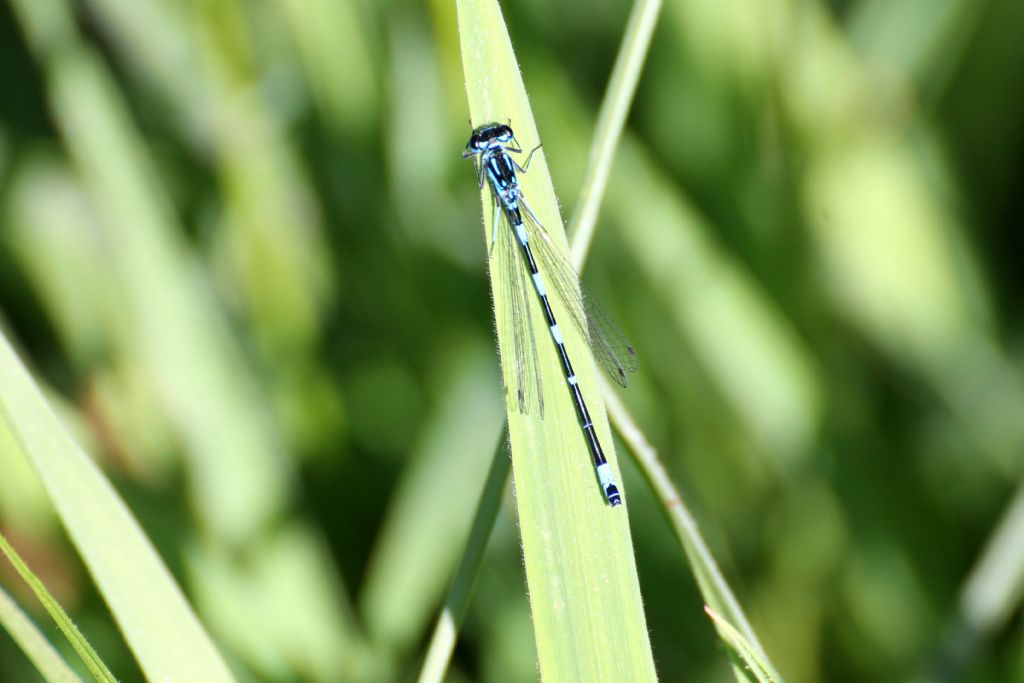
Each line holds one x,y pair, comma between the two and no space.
490,147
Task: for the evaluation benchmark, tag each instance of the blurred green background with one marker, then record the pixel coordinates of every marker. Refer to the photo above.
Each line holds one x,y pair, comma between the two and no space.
240,249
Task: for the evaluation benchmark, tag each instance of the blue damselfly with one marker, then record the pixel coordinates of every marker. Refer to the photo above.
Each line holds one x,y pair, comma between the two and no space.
491,147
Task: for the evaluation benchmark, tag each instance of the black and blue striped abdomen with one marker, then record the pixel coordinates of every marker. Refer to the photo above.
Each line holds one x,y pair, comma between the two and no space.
604,470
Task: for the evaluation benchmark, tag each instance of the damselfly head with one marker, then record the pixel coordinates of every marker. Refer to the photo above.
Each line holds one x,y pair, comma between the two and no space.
484,136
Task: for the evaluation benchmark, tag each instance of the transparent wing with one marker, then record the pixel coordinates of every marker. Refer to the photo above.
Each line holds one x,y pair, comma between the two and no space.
515,292
607,342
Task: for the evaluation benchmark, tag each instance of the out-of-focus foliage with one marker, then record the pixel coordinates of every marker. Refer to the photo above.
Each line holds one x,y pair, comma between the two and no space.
239,246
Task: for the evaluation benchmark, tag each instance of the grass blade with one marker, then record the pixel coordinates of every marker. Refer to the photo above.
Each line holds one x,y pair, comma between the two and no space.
32,642
709,577
989,597
753,666
238,480
611,120
163,632
411,563
442,642
584,593
92,660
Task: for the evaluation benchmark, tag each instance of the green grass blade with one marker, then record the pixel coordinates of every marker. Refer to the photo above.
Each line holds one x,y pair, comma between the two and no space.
993,589
989,597
23,503
410,566
238,480
272,235
737,332
167,639
442,642
614,108
92,660
32,642
610,122
584,594
709,577
753,665
328,34
279,612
